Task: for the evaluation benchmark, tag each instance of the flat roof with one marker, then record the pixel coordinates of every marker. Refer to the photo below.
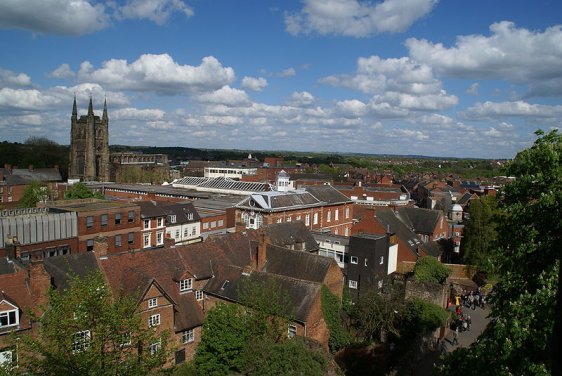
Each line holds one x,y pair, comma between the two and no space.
88,204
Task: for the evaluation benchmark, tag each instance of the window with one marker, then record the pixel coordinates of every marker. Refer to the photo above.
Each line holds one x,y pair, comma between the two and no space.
89,221
9,318
146,240
160,238
307,220
177,234
8,358
185,232
81,341
154,320
213,224
354,259
292,331
90,245
172,219
152,302
153,348
190,216
352,284
125,339
346,212
220,223
130,216
365,262
186,285
337,215
131,238
188,336
315,220
104,219
346,232
205,225
329,216
279,220
298,218
289,219
146,224
381,260
117,218
193,231
160,222
380,284
199,295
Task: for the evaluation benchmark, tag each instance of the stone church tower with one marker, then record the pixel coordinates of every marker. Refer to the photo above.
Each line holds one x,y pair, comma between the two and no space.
89,145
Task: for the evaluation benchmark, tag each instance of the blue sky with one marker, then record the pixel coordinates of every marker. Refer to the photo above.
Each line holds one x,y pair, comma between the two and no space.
438,78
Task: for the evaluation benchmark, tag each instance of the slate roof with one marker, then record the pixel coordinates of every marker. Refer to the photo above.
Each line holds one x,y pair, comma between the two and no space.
279,201
296,264
7,266
464,199
301,293
63,268
19,176
151,209
421,220
182,212
327,193
290,234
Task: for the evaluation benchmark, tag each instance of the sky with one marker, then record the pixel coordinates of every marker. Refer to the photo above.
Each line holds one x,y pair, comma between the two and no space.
425,77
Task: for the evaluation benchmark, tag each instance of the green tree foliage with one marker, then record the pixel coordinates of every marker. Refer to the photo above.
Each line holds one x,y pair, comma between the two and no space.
35,192
374,315
80,190
252,339
524,336
429,269
480,233
87,330
420,316
331,308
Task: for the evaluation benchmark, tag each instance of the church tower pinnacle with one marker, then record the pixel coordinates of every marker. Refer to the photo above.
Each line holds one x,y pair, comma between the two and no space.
104,116
90,107
74,110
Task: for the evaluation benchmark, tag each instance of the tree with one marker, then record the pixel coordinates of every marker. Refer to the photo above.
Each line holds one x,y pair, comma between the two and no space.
429,269
480,233
35,192
331,308
524,336
252,338
375,315
80,190
87,330
420,316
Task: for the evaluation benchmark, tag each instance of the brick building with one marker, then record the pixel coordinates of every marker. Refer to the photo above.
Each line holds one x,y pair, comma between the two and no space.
120,222
14,181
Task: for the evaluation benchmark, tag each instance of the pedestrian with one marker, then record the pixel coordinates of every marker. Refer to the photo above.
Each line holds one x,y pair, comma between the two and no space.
468,322
471,300
456,336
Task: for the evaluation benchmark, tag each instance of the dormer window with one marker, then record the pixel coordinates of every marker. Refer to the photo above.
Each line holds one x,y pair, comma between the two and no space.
9,318
172,219
186,285
190,216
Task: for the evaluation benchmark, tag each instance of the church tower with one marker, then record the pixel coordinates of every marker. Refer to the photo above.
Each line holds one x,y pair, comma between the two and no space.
89,145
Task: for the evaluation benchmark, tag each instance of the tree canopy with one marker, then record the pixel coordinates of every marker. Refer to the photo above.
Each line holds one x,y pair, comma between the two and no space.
35,192
524,336
87,330
429,269
80,190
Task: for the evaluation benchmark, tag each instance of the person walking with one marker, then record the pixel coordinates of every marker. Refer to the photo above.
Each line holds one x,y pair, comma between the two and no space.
456,336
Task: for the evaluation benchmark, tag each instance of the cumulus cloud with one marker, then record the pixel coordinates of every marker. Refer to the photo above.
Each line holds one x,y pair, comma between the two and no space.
9,78
226,96
66,17
301,99
157,11
63,71
255,84
404,83
130,113
27,99
473,89
509,109
159,74
356,18
289,72
510,53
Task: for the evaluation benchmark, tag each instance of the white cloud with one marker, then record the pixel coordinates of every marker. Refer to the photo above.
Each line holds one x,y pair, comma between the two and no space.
66,17
226,96
130,113
289,72
63,71
158,73
301,99
9,78
473,89
510,109
514,54
157,11
351,108
356,18
504,125
255,84
27,99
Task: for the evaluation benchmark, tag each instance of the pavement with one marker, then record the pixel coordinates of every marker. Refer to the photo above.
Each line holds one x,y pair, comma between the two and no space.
480,320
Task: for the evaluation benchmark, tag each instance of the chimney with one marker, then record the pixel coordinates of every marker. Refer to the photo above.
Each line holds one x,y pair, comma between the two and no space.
40,283
261,253
169,242
100,247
